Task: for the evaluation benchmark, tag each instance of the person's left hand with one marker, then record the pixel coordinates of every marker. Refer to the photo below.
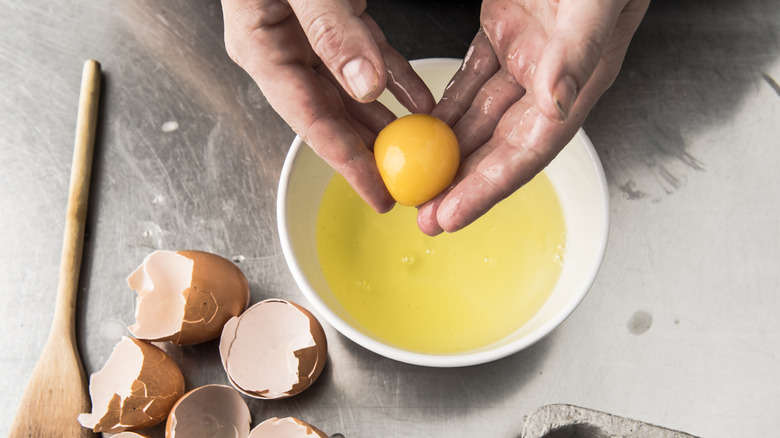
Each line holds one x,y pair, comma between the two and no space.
531,75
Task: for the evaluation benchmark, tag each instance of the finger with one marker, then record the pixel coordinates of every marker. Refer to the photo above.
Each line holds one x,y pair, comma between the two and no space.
254,30
270,45
315,110
581,33
427,221
473,129
343,42
483,92
525,142
324,124
367,134
402,81
373,116
517,34
479,65
476,126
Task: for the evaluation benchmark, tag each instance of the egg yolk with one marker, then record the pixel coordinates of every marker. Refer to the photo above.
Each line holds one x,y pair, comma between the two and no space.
417,156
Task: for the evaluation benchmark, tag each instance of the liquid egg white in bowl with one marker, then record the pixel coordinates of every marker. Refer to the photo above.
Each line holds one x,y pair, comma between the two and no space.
576,175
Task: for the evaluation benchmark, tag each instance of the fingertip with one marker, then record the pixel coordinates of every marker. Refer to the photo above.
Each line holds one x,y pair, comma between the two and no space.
362,79
426,219
554,89
447,215
383,205
379,199
564,93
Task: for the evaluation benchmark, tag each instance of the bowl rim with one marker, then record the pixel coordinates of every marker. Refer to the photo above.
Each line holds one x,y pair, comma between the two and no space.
449,360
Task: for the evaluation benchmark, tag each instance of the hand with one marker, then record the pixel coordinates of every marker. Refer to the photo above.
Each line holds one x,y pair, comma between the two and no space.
321,65
531,75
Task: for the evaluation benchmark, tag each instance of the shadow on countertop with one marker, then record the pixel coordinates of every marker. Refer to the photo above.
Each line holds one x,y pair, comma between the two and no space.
688,70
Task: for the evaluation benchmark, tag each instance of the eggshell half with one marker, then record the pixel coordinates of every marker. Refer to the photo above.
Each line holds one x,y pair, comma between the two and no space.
186,296
210,410
275,349
288,427
135,389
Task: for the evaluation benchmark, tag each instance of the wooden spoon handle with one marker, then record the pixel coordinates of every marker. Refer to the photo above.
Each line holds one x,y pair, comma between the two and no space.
81,171
56,392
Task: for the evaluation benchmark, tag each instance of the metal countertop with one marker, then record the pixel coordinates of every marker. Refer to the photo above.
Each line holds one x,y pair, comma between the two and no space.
680,328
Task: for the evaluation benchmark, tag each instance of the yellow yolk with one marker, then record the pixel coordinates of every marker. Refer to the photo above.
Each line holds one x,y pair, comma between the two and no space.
417,156
445,294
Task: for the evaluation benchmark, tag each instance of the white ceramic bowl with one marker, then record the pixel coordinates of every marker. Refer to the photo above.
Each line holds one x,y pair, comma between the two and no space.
576,174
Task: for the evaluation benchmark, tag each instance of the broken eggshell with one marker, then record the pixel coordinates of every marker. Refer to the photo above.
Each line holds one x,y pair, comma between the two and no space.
186,296
210,410
288,427
135,389
275,349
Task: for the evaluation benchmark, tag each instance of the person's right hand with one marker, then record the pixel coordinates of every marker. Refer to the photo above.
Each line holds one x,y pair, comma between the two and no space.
321,65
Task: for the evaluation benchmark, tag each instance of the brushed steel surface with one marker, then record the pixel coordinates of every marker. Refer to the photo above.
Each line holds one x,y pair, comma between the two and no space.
680,328
560,421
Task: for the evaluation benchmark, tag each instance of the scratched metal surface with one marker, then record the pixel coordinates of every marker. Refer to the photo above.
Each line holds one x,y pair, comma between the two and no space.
680,328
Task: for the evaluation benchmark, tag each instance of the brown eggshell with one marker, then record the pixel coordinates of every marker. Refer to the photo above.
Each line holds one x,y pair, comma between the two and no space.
187,296
210,410
275,349
288,427
135,389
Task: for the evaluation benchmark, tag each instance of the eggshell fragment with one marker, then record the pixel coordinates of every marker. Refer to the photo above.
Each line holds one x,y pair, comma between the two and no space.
288,427
211,410
275,349
135,389
187,296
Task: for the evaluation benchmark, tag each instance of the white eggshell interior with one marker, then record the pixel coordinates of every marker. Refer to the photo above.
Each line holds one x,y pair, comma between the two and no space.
160,282
258,348
211,410
116,377
287,427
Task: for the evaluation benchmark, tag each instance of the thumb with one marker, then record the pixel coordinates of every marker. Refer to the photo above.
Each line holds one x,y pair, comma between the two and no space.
581,33
343,42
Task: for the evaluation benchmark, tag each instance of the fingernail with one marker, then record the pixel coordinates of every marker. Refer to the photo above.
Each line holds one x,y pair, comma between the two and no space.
564,94
446,213
426,220
361,78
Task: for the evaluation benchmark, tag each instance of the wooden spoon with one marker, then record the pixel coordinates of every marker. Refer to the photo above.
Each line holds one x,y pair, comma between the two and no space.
57,390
